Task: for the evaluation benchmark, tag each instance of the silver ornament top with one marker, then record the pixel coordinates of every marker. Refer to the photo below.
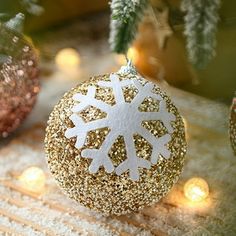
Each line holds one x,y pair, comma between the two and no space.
16,23
128,69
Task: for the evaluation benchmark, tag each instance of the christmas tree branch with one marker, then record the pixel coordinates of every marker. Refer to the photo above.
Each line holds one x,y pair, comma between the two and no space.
200,29
125,18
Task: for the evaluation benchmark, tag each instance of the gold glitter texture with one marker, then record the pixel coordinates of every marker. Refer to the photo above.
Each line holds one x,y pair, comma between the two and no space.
104,192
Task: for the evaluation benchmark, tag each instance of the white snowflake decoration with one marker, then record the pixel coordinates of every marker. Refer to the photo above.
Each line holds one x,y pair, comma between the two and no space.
125,119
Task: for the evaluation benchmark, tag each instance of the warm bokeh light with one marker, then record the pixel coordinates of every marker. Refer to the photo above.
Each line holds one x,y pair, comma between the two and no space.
120,59
186,129
185,123
33,179
132,54
67,58
196,189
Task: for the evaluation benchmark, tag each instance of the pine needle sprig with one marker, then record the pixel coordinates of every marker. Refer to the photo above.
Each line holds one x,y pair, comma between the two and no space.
125,18
200,29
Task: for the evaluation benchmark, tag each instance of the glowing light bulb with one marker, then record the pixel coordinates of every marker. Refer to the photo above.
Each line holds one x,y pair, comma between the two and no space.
196,189
33,179
67,58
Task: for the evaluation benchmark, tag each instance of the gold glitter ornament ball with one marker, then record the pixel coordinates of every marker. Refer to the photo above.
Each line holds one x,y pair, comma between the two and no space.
115,143
232,126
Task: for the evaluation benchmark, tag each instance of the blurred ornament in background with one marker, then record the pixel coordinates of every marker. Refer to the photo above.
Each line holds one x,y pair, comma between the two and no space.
196,189
232,125
163,29
19,83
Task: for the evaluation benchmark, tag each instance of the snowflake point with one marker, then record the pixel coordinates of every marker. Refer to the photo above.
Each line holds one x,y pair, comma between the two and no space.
68,133
98,160
77,96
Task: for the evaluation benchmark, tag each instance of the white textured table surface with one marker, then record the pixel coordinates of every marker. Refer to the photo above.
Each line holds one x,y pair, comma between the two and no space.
209,156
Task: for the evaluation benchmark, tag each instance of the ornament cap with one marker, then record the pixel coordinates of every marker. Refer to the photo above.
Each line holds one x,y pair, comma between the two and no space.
129,68
16,23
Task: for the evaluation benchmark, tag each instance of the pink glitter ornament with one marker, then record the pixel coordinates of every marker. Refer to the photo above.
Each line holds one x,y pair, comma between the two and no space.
19,83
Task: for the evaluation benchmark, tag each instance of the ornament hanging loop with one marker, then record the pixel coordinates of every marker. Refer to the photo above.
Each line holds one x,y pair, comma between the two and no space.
126,57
